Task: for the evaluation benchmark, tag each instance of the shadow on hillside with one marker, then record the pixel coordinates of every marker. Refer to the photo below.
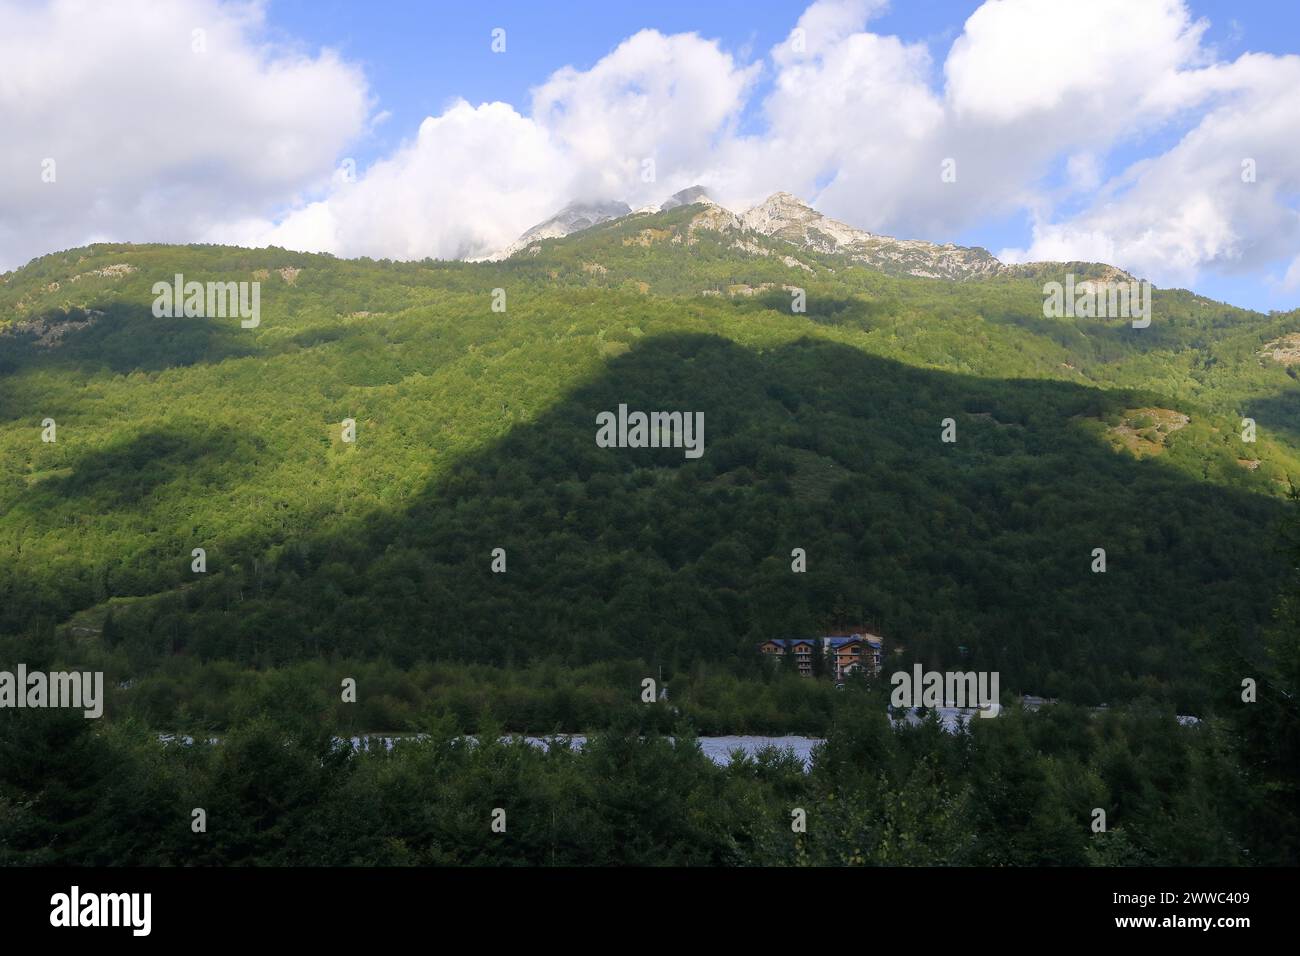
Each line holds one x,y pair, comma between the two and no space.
854,311
1277,413
1111,339
120,476
976,553
122,338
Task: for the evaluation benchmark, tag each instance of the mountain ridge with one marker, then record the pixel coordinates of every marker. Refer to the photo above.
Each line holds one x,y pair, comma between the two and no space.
787,218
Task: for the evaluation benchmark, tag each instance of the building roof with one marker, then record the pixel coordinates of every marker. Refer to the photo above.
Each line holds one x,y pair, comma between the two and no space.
838,641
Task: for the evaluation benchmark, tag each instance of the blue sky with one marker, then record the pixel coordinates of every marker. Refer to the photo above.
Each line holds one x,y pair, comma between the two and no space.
419,56
1112,130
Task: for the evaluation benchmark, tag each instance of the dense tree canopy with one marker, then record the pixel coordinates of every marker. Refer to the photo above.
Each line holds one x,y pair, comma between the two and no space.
372,559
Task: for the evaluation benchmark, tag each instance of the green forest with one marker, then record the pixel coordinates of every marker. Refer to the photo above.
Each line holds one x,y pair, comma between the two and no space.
474,431
1017,791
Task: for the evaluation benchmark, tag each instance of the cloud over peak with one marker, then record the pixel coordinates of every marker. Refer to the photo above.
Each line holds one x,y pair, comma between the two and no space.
1110,129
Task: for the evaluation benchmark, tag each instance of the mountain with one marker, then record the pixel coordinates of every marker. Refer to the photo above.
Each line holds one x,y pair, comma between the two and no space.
789,220
475,431
685,197
572,218
578,216
1095,272
784,216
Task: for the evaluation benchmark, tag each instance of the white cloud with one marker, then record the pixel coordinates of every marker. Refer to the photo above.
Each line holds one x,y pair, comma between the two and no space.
1291,281
1061,113
152,139
825,24
878,81
1038,97
1100,61
670,99
1195,206
470,182
477,177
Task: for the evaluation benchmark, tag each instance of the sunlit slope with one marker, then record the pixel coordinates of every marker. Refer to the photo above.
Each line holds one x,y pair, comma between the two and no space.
475,430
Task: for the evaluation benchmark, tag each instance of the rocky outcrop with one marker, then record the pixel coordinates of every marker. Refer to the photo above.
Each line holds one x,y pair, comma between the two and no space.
574,217
787,219
783,216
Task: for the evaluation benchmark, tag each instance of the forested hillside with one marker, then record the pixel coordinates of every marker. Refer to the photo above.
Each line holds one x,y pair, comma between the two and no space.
475,431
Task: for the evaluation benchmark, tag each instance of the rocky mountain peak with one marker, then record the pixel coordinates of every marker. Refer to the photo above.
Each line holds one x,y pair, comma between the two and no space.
783,215
684,197
786,216
574,217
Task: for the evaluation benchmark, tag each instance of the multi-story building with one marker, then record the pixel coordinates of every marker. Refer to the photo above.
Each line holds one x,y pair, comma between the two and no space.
842,654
